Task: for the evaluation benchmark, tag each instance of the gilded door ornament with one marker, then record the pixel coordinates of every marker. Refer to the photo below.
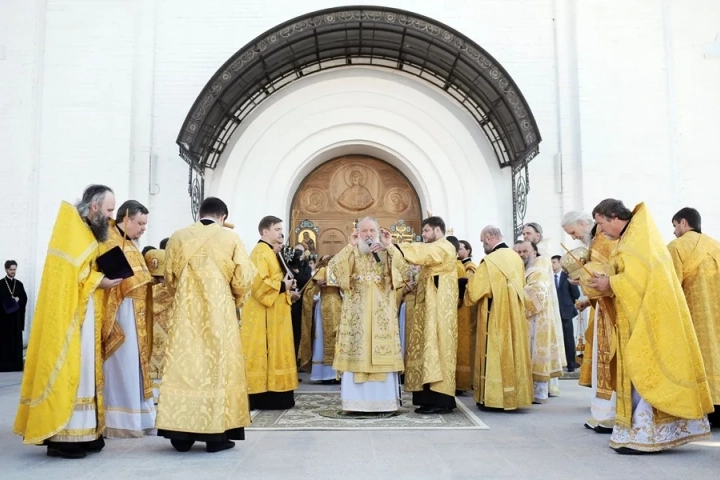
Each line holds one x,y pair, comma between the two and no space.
339,192
403,233
314,200
397,200
356,196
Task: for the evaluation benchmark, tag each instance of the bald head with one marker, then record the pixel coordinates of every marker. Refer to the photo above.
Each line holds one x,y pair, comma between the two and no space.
490,237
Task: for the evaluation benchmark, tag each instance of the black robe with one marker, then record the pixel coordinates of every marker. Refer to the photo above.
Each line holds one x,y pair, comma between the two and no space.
12,326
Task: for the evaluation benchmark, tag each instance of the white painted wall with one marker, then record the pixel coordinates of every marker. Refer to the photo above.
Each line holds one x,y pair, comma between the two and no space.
433,141
623,91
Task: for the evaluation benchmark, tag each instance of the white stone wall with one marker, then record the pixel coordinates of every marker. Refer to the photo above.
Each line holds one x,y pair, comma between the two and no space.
625,94
649,105
394,117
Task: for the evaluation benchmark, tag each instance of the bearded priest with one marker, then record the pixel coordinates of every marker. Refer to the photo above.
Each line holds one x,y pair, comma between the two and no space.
368,350
61,391
662,389
598,370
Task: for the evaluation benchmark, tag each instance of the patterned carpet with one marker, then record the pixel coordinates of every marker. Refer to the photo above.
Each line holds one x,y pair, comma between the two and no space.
315,411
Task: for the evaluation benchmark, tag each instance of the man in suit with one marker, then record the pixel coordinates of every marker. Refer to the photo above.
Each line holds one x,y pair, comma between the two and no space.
567,294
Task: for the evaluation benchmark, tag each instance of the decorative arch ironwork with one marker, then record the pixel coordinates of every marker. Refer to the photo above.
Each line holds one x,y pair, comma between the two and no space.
373,36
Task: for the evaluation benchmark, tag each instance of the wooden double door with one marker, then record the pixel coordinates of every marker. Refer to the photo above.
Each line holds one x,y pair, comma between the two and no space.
335,195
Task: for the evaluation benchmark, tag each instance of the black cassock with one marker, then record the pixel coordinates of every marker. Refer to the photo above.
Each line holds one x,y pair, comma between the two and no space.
12,326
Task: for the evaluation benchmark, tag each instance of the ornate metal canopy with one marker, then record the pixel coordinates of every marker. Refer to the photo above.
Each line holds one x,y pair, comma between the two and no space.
361,35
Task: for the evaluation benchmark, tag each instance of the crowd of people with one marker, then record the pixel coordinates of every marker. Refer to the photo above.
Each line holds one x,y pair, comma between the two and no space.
183,341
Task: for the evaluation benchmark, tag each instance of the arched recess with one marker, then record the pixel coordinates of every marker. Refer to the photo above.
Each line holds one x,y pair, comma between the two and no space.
372,36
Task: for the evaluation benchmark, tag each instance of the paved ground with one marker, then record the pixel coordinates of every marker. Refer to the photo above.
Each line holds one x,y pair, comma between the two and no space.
546,441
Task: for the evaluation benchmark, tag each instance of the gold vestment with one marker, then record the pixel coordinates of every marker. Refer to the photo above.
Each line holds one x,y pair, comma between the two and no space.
204,388
431,338
502,376
48,393
267,328
658,352
330,307
368,337
540,312
161,303
465,319
697,264
136,287
603,309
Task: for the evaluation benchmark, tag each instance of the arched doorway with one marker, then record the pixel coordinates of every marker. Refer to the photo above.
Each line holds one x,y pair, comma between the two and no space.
333,196
376,38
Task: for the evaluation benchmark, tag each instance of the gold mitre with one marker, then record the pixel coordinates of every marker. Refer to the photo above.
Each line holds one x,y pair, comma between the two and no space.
155,260
569,262
584,270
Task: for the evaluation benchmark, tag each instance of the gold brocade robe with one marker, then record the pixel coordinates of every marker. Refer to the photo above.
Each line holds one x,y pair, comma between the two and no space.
136,287
406,294
502,376
431,334
161,303
203,387
470,269
603,310
544,261
465,319
368,337
540,312
267,328
330,307
697,264
304,354
658,352
48,393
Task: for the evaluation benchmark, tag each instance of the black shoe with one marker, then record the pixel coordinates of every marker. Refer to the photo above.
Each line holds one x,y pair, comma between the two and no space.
214,447
432,410
182,445
66,452
599,429
630,451
94,446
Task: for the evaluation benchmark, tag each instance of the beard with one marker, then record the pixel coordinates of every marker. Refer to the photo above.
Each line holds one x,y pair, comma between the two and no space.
587,238
364,247
99,225
526,261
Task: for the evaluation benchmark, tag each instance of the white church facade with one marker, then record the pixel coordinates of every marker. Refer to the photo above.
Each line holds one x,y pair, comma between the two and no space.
482,112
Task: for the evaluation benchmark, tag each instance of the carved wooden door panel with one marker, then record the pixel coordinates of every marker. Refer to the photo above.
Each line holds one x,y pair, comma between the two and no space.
335,195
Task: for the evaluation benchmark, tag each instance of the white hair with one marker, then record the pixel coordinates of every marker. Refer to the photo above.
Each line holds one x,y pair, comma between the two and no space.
92,194
492,231
369,219
575,217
